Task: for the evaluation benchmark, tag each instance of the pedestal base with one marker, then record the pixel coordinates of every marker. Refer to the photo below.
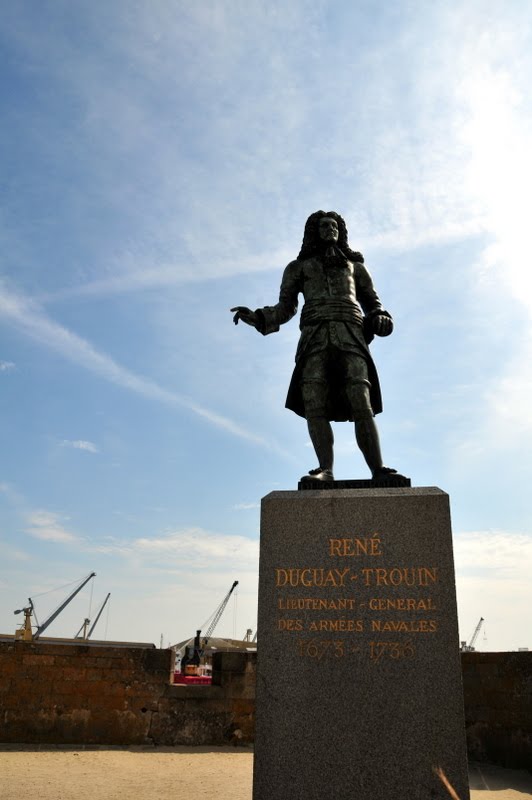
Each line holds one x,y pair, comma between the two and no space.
359,692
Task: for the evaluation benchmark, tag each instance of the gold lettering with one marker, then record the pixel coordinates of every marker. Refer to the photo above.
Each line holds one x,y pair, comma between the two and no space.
335,625
280,577
400,576
430,575
311,576
401,604
369,546
404,626
381,576
335,546
396,577
290,624
315,604
358,547
375,546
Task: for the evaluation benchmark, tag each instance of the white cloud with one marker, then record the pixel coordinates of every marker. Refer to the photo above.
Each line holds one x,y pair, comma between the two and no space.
499,176
493,581
508,554
11,494
28,317
198,548
190,549
136,279
6,365
80,444
14,553
499,179
47,526
245,506
185,575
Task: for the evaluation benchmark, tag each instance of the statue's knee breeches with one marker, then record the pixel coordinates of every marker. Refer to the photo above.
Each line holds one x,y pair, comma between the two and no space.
314,385
357,387
314,393
359,399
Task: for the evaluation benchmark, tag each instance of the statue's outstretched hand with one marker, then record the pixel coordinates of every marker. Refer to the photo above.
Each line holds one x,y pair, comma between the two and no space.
382,325
245,314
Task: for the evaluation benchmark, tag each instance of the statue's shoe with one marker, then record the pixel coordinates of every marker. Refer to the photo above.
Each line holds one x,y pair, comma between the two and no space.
386,476
383,472
323,475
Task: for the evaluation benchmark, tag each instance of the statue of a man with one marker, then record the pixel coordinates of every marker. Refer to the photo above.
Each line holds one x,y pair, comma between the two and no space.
334,378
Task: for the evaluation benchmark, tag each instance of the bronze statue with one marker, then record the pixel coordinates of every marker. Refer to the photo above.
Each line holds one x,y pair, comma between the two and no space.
334,378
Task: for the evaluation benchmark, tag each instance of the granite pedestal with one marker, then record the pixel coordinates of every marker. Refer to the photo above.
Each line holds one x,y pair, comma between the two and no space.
359,692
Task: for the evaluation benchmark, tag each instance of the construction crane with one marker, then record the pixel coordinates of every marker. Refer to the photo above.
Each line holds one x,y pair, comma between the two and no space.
217,614
192,655
87,622
469,648
25,632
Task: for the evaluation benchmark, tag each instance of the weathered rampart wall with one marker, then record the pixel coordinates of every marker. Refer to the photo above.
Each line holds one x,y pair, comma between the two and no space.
498,707
72,694
80,694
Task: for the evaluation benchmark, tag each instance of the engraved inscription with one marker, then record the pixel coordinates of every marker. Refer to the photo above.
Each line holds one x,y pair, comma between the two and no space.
339,648
399,576
311,576
318,648
368,546
393,650
352,625
405,626
316,604
364,603
401,604
290,624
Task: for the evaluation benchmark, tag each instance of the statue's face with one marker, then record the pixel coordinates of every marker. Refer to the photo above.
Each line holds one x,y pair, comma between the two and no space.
328,229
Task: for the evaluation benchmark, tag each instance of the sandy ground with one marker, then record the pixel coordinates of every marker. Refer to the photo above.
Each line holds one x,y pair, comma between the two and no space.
179,773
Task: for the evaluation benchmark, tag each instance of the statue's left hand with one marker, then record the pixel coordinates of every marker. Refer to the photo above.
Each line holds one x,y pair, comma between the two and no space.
382,325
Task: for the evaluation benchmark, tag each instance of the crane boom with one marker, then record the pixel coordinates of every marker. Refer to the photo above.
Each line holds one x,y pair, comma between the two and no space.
192,654
476,633
85,624
98,615
63,605
218,614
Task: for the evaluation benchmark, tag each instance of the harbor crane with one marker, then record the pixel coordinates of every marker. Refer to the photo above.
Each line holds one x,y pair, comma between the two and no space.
470,648
191,659
216,617
247,637
87,622
25,632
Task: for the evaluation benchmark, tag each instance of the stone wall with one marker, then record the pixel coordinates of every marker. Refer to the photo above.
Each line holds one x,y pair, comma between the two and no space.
498,707
219,714
73,694
80,694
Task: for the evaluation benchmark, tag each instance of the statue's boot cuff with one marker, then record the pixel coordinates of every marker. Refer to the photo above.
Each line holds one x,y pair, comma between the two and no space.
319,474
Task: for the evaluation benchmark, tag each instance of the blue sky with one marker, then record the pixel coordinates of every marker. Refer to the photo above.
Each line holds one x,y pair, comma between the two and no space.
159,162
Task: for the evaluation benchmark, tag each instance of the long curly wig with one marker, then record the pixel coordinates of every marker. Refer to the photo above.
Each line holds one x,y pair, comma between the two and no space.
312,243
